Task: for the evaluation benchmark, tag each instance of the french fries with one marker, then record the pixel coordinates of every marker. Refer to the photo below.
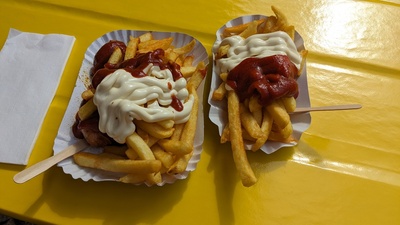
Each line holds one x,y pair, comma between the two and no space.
154,149
236,138
187,134
87,109
248,120
111,163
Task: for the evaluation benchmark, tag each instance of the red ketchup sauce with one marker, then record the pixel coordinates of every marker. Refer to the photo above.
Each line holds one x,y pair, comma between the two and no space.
269,78
176,103
104,53
136,65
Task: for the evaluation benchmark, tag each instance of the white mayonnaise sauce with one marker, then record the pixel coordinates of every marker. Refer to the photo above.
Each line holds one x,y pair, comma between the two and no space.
120,98
258,46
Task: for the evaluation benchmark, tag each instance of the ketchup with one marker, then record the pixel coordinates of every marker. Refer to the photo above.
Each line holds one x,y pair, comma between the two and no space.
136,65
176,103
269,78
100,75
104,53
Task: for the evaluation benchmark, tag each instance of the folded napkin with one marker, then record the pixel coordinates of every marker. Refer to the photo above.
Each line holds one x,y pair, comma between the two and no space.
31,66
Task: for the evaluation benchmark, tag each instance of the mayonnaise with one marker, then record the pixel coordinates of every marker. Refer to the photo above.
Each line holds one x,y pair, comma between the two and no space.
120,98
258,46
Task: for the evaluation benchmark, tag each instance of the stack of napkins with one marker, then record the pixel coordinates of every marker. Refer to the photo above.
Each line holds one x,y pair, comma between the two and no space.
31,66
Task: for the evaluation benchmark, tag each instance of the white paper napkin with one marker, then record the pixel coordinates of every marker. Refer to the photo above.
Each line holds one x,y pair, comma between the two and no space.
31,66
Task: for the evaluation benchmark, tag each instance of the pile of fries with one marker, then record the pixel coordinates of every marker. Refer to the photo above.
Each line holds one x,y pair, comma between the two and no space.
156,148
249,121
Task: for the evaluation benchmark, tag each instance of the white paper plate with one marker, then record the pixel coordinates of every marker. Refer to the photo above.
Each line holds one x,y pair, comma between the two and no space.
218,112
65,137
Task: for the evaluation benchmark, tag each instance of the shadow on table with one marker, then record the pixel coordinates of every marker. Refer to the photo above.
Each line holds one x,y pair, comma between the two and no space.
6,220
117,203
226,178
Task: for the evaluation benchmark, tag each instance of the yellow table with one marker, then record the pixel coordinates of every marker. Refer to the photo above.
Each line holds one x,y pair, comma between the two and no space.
345,169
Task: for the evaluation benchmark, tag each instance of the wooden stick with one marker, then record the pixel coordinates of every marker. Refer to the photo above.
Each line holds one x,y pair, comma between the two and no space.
328,108
44,165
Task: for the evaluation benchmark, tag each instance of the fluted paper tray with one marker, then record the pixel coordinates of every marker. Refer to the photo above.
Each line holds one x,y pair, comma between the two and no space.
65,137
218,110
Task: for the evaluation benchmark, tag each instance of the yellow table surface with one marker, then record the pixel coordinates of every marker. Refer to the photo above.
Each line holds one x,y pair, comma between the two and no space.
345,169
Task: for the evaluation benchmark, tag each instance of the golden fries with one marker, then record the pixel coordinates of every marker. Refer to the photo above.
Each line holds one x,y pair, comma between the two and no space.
155,148
131,48
235,131
87,94
279,114
87,110
152,45
176,147
106,162
154,129
187,135
115,57
265,127
249,120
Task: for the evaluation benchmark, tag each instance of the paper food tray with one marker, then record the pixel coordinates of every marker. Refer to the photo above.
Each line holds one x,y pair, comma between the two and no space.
65,137
218,109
